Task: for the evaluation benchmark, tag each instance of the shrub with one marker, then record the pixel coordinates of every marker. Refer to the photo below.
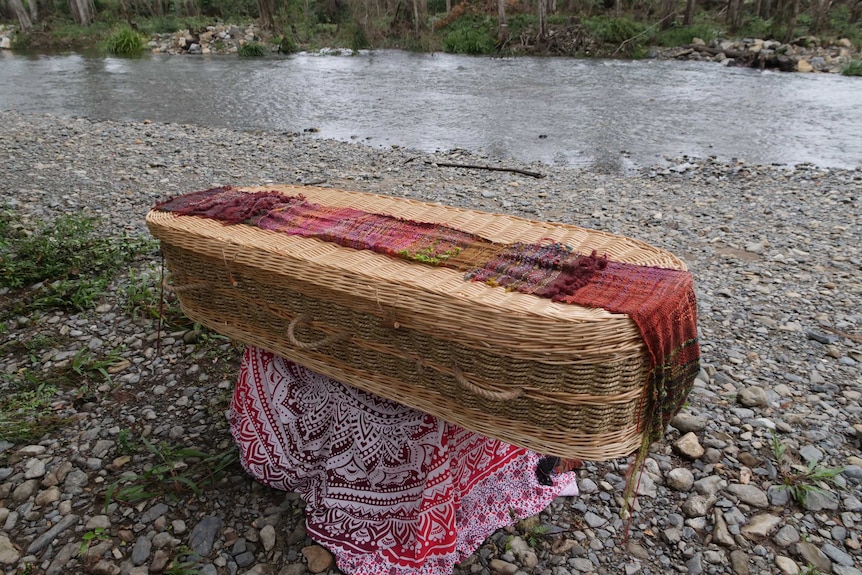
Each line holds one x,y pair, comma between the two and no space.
683,35
756,27
470,36
124,41
852,69
614,30
287,44
252,50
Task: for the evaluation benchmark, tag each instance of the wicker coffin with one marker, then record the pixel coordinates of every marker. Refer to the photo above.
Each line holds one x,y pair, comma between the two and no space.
557,378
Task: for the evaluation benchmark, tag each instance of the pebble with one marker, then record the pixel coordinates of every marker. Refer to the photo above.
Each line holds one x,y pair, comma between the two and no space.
765,243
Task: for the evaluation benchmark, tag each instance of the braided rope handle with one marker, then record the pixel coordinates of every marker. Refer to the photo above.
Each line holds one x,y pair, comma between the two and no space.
304,318
482,392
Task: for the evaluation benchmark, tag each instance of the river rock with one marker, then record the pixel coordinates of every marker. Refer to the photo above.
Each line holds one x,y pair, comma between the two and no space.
811,554
749,494
753,396
9,555
787,565
761,525
318,558
680,479
689,446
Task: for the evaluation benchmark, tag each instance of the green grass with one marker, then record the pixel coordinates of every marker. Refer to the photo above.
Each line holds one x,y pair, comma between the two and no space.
852,69
470,35
683,35
252,50
63,264
25,408
124,41
614,30
800,480
174,471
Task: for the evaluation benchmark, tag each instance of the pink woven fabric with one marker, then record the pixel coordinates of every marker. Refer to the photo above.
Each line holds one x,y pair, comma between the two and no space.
389,490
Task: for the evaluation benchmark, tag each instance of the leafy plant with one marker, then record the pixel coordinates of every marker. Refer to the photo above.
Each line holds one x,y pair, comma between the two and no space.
65,262
683,35
800,480
252,50
124,41
852,69
25,408
614,30
470,35
184,563
177,470
97,534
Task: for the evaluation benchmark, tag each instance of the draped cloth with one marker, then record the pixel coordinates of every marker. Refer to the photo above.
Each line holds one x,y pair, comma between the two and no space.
388,489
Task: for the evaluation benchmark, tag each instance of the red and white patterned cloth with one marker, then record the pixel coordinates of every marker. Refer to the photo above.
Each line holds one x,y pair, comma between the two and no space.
389,489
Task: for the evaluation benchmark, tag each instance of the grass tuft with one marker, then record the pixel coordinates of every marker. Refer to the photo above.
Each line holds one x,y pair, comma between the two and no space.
852,69
124,41
252,50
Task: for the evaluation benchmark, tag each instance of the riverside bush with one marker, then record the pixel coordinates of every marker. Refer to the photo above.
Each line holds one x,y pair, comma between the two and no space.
470,36
614,30
852,69
252,50
124,41
683,35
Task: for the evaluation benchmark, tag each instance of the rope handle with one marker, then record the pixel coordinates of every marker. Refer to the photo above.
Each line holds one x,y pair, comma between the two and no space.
327,340
482,392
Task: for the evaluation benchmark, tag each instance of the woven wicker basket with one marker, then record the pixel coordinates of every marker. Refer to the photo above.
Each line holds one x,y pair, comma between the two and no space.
557,378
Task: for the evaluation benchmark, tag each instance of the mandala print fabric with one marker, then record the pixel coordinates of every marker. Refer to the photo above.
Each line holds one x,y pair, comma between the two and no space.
389,489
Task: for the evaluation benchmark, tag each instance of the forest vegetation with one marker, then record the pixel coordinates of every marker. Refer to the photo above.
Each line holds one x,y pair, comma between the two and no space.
554,27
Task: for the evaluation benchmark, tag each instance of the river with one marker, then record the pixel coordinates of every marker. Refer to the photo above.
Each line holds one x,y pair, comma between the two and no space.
605,114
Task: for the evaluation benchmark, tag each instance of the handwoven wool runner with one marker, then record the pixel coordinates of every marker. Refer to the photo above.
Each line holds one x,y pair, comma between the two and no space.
388,489
660,301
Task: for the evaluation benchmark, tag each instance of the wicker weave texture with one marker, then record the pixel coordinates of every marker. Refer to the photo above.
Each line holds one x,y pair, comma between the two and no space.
557,378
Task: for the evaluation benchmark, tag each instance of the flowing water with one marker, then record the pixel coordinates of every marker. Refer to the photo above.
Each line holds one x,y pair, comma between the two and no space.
606,114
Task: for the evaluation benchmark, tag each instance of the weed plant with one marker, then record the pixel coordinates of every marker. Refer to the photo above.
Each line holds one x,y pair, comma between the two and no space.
614,30
852,69
683,35
252,50
64,264
125,42
801,480
470,35
25,408
176,471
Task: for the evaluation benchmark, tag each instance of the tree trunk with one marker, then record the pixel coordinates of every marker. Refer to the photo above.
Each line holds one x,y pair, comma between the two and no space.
34,10
448,6
821,15
266,13
666,18
420,14
690,5
502,26
734,14
856,12
23,19
765,9
83,11
543,19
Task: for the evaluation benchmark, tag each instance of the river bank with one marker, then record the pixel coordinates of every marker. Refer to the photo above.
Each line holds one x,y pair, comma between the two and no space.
803,54
777,266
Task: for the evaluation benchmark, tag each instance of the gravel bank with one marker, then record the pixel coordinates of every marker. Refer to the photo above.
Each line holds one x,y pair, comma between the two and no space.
776,255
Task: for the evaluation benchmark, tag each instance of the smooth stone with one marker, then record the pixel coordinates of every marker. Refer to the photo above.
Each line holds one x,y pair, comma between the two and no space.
203,534
153,513
739,562
720,532
820,500
98,522
753,396
141,550
787,565
689,446
786,536
837,555
45,539
267,537
760,525
318,558
9,554
680,479
811,554
688,423
697,505
23,492
749,494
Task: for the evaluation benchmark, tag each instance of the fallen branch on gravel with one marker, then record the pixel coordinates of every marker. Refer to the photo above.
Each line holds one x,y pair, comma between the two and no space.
854,337
492,168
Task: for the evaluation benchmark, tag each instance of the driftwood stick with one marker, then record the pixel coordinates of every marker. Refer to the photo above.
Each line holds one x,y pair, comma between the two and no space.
492,168
852,336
